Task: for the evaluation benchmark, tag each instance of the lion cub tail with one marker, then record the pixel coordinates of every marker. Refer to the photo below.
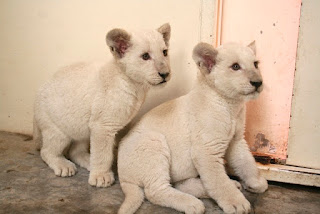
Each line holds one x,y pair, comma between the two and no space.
134,197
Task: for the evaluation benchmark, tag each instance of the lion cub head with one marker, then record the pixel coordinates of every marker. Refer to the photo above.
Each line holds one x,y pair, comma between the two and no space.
231,69
144,55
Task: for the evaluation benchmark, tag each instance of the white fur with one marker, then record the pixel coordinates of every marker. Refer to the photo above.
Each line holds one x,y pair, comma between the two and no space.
192,136
90,102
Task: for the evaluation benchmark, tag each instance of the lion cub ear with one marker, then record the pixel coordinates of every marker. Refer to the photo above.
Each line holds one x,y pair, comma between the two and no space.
118,41
204,56
252,46
165,30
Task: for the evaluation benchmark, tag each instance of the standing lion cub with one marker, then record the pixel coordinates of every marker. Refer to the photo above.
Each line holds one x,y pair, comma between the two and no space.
91,102
191,136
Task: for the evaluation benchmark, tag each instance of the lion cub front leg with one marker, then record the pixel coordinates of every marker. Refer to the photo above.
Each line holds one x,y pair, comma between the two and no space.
218,185
241,161
102,141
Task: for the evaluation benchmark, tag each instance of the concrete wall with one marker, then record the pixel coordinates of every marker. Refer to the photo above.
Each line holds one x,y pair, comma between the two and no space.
39,36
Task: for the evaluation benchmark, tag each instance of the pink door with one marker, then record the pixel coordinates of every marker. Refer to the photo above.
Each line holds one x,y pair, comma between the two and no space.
274,25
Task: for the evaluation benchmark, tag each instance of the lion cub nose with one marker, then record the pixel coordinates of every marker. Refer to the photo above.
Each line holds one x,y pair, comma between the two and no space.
163,75
256,84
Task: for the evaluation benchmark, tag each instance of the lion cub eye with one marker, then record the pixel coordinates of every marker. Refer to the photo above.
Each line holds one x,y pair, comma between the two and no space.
235,66
145,56
165,52
256,63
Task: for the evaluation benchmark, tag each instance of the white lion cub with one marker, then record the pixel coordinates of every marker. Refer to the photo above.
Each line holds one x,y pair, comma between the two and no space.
87,104
191,136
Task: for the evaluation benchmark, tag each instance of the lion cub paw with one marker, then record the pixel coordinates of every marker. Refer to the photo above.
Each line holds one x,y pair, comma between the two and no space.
101,178
237,184
64,168
235,205
256,185
196,207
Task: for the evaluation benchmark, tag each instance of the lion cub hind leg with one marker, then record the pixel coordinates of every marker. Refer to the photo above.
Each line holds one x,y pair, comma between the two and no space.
163,194
54,144
194,186
159,191
133,198
79,153
157,181
149,158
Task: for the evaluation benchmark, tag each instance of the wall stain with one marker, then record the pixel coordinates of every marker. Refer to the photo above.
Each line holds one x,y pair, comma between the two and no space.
262,144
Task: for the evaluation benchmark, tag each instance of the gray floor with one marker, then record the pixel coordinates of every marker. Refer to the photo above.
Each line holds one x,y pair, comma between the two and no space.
27,185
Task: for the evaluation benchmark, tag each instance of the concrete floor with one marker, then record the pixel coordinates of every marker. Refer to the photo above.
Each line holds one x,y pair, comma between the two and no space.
27,185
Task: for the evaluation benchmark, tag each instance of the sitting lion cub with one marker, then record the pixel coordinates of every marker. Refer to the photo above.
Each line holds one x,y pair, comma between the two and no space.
191,136
91,102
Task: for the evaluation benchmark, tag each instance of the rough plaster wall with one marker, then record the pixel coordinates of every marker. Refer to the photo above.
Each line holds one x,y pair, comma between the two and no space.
39,36
274,25
304,135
